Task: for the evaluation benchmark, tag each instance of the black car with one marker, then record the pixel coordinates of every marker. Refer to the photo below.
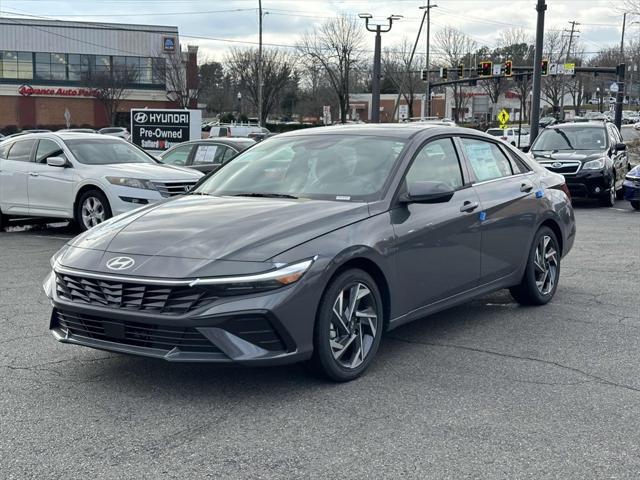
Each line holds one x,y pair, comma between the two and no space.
310,245
206,155
591,156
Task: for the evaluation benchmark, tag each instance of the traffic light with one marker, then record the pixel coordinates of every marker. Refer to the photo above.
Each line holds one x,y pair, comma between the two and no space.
444,72
508,68
484,69
460,71
424,75
545,68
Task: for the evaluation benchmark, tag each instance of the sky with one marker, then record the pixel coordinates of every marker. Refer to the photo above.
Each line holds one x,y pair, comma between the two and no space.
217,25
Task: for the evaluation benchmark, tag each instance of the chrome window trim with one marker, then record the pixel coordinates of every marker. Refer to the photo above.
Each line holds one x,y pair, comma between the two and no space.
493,180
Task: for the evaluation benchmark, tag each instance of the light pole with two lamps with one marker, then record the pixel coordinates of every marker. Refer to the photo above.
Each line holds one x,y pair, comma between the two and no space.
375,84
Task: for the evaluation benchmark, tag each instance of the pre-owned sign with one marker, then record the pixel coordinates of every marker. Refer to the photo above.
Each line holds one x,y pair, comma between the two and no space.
155,129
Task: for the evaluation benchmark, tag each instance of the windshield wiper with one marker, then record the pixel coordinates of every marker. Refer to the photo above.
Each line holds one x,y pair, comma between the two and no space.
198,193
264,195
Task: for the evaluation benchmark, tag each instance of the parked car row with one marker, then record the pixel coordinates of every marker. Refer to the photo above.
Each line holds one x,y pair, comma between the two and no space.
121,132
83,177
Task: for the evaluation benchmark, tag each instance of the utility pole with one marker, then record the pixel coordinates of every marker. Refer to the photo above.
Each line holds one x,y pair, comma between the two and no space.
260,63
375,83
624,24
427,96
541,7
571,33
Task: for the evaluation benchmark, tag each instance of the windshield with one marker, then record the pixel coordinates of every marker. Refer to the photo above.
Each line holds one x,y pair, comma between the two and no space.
107,151
337,167
575,138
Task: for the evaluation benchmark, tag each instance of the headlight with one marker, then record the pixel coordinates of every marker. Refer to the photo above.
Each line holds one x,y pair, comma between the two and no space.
131,182
594,164
280,277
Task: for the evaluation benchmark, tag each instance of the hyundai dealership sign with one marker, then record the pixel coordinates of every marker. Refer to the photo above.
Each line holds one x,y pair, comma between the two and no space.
155,129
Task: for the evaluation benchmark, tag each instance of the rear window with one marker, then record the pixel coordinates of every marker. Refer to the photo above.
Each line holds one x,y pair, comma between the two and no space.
496,132
21,151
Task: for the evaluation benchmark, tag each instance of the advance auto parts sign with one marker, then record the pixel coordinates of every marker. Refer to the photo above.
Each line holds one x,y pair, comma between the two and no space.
154,129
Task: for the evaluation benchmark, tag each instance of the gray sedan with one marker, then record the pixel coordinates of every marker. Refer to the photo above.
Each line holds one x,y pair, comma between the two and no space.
205,155
308,246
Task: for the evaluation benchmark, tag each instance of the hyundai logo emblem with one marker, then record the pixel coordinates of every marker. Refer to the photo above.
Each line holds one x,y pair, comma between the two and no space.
140,117
120,263
556,164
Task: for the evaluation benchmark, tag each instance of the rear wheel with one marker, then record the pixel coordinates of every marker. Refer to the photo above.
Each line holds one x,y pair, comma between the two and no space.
92,209
541,275
349,326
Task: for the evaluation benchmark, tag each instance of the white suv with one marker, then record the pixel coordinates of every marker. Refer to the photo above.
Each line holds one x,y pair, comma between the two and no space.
510,135
83,177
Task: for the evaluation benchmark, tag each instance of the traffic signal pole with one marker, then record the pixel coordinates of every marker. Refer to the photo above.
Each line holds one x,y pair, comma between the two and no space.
537,72
620,71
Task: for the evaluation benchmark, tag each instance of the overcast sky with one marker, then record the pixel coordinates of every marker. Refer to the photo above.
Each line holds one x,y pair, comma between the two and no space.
217,25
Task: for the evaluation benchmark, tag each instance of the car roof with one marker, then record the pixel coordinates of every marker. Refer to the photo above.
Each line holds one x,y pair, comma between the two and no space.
64,136
398,130
599,124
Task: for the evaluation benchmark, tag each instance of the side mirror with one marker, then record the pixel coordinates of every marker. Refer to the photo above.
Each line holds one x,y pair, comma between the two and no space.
525,149
427,192
621,147
57,162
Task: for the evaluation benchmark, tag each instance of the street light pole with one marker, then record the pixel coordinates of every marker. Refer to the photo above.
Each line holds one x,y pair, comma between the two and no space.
427,96
260,63
375,82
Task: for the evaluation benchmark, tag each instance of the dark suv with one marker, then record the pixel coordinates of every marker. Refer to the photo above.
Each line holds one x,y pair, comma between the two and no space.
591,156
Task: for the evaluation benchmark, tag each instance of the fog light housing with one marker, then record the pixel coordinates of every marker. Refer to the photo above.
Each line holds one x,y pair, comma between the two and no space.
597,190
137,201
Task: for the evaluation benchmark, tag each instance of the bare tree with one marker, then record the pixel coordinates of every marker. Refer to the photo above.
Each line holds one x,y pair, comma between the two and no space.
111,87
630,6
336,46
454,47
180,88
516,45
277,69
397,68
555,47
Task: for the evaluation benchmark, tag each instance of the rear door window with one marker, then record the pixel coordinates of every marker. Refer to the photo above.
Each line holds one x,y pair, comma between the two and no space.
20,151
178,156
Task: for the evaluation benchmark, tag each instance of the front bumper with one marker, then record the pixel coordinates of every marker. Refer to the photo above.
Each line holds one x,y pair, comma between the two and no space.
271,328
588,183
125,199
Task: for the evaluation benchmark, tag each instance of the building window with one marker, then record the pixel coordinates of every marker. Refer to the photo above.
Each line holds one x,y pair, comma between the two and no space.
51,66
102,65
16,65
78,67
159,71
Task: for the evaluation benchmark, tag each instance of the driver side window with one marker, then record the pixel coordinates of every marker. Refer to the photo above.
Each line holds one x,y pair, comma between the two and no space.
48,148
437,161
178,156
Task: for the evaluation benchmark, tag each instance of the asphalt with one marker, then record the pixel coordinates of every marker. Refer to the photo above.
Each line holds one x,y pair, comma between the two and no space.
485,390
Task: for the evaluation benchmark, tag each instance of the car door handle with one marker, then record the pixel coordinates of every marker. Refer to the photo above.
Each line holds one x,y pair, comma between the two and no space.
34,174
526,187
469,206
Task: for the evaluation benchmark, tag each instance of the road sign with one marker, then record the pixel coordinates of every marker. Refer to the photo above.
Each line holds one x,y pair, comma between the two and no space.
67,117
503,117
404,112
613,88
497,69
569,68
161,129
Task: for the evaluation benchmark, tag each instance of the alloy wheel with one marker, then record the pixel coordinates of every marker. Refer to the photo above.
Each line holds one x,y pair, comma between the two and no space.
546,265
93,212
354,324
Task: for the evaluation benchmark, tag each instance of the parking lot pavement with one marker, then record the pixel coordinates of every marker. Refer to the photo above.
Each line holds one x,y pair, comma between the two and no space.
485,390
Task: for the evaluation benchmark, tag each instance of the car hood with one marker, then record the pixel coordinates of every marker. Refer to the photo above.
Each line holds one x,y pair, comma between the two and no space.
149,171
568,155
220,228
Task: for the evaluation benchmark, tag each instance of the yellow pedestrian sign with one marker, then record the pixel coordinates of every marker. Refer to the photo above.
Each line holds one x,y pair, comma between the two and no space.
503,118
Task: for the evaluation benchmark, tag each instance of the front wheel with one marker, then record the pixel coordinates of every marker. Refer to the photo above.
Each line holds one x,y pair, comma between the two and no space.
608,199
635,205
92,209
542,272
348,327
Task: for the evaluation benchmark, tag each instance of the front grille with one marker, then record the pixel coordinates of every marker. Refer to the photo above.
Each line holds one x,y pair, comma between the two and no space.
161,337
567,168
255,329
171,189
133,296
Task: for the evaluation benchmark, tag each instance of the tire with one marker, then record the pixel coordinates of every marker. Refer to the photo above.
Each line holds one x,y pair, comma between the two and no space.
92,208
608,199
636,205
345,345
3,220
529,291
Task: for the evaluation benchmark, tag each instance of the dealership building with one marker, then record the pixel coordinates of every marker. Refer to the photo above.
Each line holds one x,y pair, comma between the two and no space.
54,73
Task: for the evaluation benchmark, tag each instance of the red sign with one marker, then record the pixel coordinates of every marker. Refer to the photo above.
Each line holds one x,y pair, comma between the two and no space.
28,90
